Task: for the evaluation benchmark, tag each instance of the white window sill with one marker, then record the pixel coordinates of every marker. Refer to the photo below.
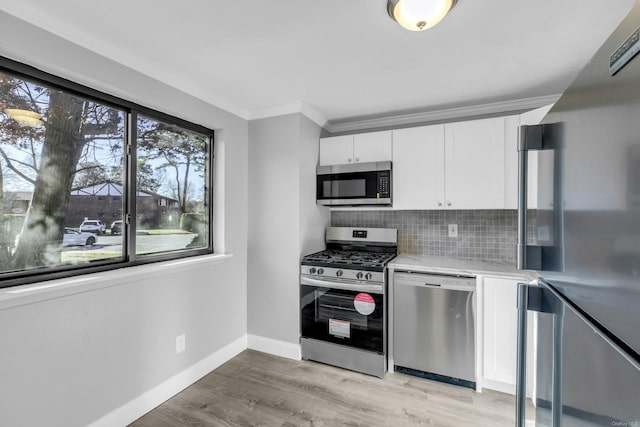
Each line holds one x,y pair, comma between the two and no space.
35,292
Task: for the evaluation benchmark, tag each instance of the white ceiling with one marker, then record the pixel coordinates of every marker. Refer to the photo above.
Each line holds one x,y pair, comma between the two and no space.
339,60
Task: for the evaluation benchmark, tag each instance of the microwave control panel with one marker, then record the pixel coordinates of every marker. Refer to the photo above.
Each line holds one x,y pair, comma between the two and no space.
384,185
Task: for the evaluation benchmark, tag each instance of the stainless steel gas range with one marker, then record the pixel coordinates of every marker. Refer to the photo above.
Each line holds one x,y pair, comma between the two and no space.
343,299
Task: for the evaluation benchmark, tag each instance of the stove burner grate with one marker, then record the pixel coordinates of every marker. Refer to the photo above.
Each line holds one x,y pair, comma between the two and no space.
346,257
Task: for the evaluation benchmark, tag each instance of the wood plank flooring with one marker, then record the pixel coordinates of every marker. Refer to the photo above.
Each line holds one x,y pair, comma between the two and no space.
258,389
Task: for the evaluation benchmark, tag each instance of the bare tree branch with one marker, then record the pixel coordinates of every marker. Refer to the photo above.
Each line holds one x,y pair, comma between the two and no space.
14,169
27,91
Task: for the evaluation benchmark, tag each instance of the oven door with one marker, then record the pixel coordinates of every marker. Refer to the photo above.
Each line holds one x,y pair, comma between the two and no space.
361,184
347,314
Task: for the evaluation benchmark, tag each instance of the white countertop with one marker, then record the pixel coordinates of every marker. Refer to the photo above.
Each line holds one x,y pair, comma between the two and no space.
451,265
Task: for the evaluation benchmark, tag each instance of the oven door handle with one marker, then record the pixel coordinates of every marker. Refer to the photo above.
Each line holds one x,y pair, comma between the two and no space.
374,289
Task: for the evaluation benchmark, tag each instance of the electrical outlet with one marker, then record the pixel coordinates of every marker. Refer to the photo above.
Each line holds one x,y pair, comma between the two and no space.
453,230
544,233
181,343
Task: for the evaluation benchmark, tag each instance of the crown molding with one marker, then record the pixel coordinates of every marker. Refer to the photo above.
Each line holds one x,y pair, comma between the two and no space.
314,115
274,111
281,110
29,15
440,115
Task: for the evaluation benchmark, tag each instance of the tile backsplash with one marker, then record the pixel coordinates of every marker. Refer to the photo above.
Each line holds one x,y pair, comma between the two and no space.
482,234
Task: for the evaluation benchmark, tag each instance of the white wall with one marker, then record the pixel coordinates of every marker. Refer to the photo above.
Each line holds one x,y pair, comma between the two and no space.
70,360
284,224
314,219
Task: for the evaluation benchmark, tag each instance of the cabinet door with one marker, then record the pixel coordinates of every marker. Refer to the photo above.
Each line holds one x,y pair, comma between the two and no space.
418,168
474,164
500,336
372,147
336,150
500,316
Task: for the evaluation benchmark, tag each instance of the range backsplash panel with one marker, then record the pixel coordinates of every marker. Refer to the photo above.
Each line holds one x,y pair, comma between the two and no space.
482,234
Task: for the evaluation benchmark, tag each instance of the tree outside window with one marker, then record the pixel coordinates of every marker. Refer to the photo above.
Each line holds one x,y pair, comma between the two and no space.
63,161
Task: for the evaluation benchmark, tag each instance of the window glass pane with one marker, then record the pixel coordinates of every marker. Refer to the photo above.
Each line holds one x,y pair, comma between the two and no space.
172,208
61,163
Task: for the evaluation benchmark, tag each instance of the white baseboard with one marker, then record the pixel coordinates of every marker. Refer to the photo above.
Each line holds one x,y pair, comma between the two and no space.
275,347
499,386
139,406
144,403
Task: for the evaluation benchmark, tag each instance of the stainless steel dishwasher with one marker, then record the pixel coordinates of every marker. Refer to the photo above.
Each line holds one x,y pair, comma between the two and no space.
434,326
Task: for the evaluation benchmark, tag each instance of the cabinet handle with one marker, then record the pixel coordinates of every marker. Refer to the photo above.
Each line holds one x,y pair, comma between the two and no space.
349,160
357,159
439,203
448,203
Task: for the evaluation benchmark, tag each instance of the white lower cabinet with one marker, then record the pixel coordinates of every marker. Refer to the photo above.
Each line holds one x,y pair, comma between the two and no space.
499,336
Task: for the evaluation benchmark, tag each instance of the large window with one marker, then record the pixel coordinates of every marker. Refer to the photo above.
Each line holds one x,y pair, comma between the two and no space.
172,197
91,182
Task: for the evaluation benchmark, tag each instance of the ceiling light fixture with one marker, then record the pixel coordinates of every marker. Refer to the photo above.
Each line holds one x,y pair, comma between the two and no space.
25,117
418,15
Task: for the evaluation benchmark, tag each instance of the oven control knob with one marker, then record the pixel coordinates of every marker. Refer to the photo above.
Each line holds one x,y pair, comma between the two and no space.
320,271
359,275
367,276
312,270
339,273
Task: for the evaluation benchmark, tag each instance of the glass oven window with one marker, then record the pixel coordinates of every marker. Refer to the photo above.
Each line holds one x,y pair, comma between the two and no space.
343,317
330,306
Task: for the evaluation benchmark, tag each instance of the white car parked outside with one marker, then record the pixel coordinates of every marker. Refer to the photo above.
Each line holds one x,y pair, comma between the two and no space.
93,226
78,238
72,237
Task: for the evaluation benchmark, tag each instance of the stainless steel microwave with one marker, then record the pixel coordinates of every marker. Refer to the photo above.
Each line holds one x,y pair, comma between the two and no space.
355,184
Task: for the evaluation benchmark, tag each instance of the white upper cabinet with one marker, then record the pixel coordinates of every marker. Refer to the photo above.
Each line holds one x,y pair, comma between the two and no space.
474,164
462,165
451,166
418,168
372,147
336,150
360,148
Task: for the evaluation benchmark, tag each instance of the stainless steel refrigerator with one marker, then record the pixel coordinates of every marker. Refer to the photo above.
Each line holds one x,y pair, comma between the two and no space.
584,242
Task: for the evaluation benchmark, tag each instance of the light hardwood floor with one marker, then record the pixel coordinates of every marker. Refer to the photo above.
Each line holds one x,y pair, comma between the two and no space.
258,389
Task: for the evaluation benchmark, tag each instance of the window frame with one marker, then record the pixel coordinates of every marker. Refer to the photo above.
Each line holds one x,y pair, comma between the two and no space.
131,111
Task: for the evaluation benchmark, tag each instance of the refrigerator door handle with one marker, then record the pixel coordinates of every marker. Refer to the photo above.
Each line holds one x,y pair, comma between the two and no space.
534,297
542,298
523,171
537,137
521,361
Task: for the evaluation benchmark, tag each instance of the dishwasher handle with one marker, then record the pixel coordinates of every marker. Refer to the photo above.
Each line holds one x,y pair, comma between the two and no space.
436,281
